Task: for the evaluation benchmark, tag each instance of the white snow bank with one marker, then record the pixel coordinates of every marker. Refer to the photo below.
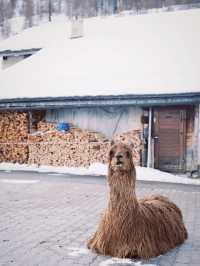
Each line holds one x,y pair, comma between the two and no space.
146,54
116,261
98,169
19,181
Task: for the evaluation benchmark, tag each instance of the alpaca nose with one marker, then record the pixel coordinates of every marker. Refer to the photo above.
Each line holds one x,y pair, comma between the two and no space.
119,157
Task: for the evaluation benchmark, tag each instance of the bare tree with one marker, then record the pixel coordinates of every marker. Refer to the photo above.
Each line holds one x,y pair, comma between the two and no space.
50,9
28,13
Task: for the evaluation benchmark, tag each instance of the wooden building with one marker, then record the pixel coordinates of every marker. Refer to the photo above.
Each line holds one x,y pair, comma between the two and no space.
169,133
127,74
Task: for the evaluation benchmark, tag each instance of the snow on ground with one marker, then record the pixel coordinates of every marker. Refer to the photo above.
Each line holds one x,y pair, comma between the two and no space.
17,181
98,169
126,262
118,55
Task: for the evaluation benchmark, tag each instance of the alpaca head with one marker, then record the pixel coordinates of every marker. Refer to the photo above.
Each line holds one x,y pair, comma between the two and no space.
120,158
121,165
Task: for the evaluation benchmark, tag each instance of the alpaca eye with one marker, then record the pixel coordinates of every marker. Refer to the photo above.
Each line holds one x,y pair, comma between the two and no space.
128,154
111,153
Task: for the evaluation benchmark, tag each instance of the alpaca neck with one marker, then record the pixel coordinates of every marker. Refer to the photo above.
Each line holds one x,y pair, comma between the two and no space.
120,200
122,192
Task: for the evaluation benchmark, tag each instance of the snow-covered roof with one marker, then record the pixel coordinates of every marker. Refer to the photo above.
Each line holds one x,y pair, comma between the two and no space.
118,55
37,37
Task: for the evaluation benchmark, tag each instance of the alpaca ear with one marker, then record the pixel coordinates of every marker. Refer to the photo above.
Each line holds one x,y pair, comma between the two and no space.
131,145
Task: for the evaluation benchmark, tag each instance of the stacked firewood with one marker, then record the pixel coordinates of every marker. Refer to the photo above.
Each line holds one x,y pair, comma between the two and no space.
45,126
45,145
133,139
13,126
13,137
76,147
14,153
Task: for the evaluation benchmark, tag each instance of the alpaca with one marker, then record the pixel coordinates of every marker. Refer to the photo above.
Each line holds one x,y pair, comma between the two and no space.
132,228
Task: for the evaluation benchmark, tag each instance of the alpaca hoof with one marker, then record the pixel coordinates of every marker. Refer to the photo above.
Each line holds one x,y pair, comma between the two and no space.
89,245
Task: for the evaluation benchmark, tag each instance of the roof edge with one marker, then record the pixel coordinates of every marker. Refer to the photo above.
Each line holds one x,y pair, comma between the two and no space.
19,52
94,101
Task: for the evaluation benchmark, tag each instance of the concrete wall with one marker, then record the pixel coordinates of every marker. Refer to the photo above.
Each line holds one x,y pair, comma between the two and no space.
11,60
108,120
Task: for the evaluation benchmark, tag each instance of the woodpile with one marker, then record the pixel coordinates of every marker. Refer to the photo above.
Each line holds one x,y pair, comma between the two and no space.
74,148
35,117
133,139
45,126
14,153
48,146
13,127
13,137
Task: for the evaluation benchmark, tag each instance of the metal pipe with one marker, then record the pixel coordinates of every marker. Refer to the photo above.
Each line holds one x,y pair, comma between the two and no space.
198,137
149,152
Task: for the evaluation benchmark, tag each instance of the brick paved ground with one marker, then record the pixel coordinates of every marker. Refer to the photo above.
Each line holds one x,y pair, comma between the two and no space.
48,223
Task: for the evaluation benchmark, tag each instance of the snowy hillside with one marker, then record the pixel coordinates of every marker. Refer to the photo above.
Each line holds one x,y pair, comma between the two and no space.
16,15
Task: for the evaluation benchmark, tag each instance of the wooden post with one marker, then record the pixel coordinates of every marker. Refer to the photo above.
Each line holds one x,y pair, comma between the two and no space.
30,121
149,152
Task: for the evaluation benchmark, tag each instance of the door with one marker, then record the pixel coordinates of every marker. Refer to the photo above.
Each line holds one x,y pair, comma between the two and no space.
169,138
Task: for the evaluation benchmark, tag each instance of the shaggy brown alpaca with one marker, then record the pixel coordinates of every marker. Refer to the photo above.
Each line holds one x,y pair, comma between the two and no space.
132,228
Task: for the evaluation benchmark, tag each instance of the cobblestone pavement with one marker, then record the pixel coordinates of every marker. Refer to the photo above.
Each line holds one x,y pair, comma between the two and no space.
46,219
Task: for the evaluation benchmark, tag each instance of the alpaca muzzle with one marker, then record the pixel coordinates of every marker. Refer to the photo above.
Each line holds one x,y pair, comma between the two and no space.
119,163
119,160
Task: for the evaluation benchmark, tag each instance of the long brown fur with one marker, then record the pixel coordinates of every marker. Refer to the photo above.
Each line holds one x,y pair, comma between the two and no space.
132,228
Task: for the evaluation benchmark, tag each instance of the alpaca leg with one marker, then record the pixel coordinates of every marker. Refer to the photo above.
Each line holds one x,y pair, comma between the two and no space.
91,242
94,245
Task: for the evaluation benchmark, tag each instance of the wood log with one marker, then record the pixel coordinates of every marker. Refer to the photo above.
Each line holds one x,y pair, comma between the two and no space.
13,137
76,147
48,146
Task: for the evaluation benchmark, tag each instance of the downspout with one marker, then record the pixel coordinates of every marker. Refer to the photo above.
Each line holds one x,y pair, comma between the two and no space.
198,137
149,152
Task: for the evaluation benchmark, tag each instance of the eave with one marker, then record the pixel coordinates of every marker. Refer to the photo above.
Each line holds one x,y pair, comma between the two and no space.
19,52
149,100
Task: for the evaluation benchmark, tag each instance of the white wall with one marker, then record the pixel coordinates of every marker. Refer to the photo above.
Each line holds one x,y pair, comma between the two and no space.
1,63
108,120
11,60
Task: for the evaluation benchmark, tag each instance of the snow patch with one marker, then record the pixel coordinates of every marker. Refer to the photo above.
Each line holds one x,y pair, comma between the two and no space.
99,169
76,252
115,261
16,181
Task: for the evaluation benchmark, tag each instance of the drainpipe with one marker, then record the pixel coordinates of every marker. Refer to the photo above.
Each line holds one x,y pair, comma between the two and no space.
198,137
149,152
